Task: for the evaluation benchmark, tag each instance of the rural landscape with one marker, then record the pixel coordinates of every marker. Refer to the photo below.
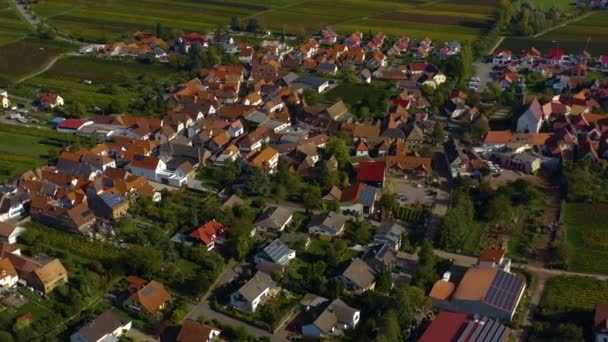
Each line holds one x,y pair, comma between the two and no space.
303,170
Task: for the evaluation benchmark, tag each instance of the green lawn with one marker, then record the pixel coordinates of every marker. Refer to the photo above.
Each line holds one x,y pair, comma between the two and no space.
12,26
587,236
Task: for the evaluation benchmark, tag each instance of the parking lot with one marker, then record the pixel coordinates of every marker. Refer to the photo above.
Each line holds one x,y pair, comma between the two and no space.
412,192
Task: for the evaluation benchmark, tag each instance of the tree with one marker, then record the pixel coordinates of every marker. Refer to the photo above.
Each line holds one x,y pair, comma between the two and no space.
312,197
337,147
387,203
117,106
390,331
235,23
146,261
499,208
77,109
505,12
426,273
5,336
361,235
438,132
253,25
384,280
457,222
407,302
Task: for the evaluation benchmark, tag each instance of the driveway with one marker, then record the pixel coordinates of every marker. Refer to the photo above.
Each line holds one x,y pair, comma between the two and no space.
482,70
203,309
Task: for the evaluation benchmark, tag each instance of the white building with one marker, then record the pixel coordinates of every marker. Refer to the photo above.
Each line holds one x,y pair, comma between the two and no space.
106,327
254,292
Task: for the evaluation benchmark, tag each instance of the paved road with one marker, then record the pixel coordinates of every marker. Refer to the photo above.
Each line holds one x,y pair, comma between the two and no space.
35,21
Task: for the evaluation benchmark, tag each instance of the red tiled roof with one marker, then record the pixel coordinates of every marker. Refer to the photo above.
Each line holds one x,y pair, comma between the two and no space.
371,172
72,123
445,327
145,162
498,137
208,232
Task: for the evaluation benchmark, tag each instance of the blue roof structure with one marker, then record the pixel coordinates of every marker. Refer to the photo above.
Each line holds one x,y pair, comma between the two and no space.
504,291
112,200
368,195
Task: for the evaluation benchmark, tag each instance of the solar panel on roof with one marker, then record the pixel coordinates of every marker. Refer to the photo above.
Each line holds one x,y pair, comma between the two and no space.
86,213
504,291
148,290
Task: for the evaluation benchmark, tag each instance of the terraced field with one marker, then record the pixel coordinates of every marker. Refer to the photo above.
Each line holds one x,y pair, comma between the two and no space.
572,37
110,19
587,235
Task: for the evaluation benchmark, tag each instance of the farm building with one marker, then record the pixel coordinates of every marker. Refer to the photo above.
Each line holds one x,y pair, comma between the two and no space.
453,326
486,291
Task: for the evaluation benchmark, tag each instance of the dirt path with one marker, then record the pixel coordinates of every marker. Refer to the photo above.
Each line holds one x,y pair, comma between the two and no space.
46,68
562,24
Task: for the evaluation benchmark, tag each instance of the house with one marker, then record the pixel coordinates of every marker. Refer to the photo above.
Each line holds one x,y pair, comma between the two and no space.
104,328
13,204
43,277
267,160
366,76
502,57
328,36
600,322
4,101
10,232
310,82
389,233
254,292
372,173
327,68
532,119
193,331
360,198
357,276
483,290
78,218
276,252
209,234
8,275
525,162
329,224
150,298
497,139
274,219
338,112
49,101
454,326
411,167
72,125
333,320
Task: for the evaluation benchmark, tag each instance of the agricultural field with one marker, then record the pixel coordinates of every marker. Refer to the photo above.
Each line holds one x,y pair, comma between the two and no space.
546,4
569,299
572,37
25,149
408,214
12,27
68,74
23,57
587,236
112,19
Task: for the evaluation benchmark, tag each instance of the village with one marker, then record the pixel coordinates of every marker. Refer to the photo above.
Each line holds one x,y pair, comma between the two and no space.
260,207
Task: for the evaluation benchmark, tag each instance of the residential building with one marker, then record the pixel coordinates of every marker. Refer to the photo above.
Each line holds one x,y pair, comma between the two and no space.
104,328
360,198
333,320
329,224
267,160
532,119
454,326
50,101
274,219
8,275
390,233
600,322
276,252
372,173
357,276
44,277
149,297
10,232
209,234
254,292
193,331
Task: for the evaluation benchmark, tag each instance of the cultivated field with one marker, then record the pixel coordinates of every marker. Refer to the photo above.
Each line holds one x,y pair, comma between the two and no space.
25,149
12,27
23,57
111,19
68,74
587,235
572,37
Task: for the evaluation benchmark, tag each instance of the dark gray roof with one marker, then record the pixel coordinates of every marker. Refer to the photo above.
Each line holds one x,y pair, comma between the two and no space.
331,221
274,217
336,312
256,285
311,81
359,273
102,325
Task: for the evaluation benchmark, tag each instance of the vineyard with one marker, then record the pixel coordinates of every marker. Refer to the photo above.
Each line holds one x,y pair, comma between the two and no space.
564,294
78,245
409,214
587,236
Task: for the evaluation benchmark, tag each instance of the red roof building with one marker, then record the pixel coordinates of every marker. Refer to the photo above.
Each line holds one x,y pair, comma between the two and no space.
371,172
555,54
452,326
73,124
209,233
498,138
